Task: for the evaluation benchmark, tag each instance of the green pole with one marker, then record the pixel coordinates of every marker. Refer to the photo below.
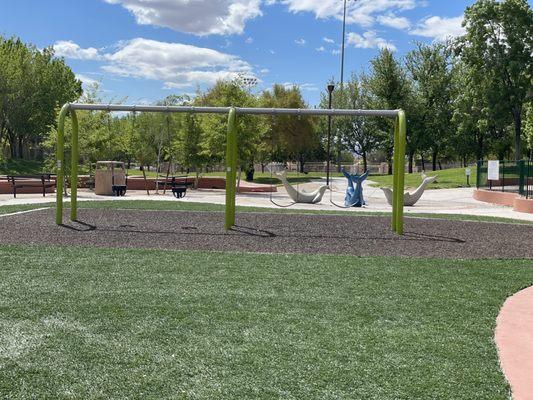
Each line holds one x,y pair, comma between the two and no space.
402,139
74,167
60,163
231,169
395,169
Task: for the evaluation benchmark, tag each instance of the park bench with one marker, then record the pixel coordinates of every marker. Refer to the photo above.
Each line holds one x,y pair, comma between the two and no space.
179,189
39,180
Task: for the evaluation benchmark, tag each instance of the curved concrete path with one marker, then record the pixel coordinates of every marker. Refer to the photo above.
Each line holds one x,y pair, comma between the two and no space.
514,338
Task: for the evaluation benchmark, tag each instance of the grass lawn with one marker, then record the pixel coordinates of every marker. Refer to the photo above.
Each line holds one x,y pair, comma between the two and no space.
191,206
85,323
259,177
20,167
447,178
450,178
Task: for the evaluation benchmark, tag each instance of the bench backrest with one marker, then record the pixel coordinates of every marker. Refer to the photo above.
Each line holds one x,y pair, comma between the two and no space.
42,177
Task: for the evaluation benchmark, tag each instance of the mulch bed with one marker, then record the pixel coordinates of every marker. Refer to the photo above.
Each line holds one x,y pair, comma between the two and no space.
271,233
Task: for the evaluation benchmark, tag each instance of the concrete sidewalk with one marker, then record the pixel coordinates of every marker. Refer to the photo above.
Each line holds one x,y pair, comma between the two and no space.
441,201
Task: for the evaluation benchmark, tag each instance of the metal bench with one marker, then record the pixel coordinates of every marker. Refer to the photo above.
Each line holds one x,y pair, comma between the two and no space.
39,180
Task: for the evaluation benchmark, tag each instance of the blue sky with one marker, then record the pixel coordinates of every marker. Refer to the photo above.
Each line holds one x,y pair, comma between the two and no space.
144,50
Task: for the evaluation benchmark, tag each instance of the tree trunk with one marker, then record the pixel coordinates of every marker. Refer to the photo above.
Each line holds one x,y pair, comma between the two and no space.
440,166
517,115
339,158
20,154
479,146
389,172
434,160
365,161
410,165
145,181
423,161
12,148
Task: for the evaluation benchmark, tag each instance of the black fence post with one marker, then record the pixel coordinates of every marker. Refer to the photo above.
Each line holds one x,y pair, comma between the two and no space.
522,176
478,173
503,176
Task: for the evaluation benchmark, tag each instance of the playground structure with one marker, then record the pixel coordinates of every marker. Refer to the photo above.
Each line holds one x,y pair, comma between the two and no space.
410,199
354,194
301,196
231,147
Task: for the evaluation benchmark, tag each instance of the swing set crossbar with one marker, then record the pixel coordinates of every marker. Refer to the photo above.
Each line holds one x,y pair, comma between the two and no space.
238,110
231,147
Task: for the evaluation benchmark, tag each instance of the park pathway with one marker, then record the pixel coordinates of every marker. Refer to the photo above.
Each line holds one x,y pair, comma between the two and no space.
514,338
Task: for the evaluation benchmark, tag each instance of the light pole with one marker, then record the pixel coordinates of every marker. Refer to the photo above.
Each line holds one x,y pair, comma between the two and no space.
341,83
331,87
343,42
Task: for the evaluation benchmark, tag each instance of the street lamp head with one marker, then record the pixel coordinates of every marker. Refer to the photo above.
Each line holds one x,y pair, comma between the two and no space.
331,88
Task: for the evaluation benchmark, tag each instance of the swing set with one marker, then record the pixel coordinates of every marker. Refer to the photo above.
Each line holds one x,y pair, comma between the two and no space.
231,148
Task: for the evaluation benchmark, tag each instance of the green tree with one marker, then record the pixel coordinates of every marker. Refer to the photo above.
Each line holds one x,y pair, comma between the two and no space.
498,44
470,113
288,137
249,127
528,128
430,69
391,89
357,134
33,85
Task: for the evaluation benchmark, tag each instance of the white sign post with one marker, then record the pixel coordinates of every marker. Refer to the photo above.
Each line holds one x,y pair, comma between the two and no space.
468,172
493,171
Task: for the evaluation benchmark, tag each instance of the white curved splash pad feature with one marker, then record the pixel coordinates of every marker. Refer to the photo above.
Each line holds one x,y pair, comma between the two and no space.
410,199
301,196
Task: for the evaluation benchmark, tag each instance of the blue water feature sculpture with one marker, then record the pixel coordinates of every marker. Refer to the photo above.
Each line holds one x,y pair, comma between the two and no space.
354,194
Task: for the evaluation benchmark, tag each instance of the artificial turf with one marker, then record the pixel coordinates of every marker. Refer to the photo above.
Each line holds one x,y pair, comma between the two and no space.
85,323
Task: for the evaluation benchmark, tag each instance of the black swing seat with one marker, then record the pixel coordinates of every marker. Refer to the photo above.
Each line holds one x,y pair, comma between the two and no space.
178,185
179,191
119,190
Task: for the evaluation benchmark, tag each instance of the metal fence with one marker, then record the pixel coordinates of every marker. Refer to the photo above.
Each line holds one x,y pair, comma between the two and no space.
513,177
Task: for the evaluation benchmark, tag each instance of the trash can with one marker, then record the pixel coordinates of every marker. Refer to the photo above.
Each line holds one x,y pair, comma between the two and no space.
110,178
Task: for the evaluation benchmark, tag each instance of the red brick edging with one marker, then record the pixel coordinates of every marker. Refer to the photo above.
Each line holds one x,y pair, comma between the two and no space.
518,203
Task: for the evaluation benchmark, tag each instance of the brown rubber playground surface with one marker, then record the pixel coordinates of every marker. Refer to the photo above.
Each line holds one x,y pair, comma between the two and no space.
271,233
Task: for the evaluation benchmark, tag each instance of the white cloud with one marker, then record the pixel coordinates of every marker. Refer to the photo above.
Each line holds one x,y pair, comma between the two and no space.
310,87
249,40
328,40
369,40
394,21
69,49
300,42
264,71
362,12
439,28
320,49
87,81
199,17
176,64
